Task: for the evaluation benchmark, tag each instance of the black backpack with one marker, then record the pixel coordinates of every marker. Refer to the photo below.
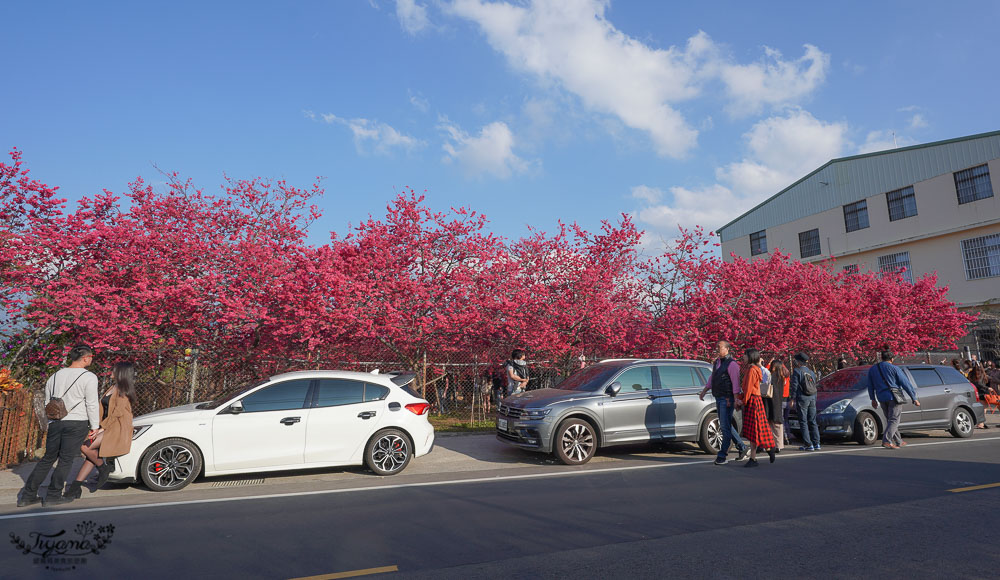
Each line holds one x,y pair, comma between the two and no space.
808,384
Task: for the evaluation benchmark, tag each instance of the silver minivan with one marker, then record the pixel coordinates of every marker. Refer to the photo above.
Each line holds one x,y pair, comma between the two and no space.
614,402
947,401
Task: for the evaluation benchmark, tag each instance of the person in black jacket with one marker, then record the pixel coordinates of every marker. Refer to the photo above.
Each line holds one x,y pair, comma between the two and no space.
802,391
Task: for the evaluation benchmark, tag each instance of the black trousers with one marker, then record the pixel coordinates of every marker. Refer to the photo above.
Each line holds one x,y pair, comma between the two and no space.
62,442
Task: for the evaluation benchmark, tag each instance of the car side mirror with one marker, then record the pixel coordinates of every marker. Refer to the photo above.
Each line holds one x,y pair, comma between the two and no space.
613,388
236,408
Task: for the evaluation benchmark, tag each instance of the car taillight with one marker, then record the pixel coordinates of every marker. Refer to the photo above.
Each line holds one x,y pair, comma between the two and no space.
418,408
975,390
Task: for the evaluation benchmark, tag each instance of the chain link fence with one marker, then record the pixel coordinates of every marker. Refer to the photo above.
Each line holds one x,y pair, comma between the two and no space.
462,388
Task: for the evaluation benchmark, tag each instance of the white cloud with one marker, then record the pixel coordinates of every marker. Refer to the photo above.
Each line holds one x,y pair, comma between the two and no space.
773,81
779,151
572,45
648,194
412,16
372,136
491,152
917,121
419,102
782,150
710,206
883,141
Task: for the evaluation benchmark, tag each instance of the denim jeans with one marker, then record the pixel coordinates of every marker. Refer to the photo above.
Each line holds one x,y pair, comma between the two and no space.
806,406
62,442
724,405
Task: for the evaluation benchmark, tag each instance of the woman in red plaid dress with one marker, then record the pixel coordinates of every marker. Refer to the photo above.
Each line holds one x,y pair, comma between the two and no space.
756,427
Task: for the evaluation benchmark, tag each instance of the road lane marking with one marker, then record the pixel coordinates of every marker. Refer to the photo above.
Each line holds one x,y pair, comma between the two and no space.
494,479
974,487
351,574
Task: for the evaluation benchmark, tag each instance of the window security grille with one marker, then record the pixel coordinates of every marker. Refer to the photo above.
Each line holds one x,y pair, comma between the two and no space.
902,203
856,216
895,263
973,184
982,257
809,243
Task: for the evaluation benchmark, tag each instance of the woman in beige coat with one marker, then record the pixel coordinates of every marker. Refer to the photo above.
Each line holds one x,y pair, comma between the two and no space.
114,437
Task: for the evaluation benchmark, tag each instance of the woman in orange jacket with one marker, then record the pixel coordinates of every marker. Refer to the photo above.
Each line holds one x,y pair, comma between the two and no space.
756,427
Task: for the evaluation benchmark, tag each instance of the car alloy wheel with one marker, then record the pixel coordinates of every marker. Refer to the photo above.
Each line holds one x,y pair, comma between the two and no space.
576,442
715,434
866,429
388,452
961,424
170,465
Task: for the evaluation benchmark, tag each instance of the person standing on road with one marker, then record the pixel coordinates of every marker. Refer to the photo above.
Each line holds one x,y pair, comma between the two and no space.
114,438
725,386
755,425
803,393
775,404
517,372
981,380
882,379
77,387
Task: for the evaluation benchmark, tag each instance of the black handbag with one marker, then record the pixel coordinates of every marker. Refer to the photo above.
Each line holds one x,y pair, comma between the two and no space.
897,392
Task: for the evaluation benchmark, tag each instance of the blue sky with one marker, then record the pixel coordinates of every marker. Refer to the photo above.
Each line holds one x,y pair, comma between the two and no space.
529,112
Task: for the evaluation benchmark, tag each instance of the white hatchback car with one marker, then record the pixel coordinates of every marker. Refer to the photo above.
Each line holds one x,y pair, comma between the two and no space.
295,420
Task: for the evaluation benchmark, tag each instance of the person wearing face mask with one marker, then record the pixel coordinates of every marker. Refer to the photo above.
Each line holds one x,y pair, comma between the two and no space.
517,372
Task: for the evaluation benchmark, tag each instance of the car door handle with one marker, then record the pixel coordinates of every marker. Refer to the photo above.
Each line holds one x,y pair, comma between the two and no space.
947,390
366,414
290,420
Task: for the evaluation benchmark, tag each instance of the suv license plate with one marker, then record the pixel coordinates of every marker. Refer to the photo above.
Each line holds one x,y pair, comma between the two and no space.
502,424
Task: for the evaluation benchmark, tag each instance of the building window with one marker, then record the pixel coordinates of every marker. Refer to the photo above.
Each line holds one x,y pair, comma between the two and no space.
758,243
902,203
856,216
982,257
809,243
851,269
973,184
895,263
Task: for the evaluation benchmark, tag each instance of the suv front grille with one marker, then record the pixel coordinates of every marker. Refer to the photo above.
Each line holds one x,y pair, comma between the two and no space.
512,412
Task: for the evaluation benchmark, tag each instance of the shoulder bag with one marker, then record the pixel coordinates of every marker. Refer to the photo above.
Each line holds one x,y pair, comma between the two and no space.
897,392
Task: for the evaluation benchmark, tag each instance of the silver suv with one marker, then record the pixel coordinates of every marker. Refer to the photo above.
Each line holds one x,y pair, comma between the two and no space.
613,402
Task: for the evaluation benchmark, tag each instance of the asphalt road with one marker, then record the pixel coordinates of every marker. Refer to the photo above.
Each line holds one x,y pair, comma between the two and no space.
639,513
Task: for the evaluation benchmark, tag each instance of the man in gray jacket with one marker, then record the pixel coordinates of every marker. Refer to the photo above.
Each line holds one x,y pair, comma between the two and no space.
77,387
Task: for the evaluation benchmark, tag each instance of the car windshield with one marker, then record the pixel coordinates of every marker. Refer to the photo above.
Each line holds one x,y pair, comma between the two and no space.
234,392
844,381
590,378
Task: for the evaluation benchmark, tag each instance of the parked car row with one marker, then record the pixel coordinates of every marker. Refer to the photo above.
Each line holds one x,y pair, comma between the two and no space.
312,419
626,401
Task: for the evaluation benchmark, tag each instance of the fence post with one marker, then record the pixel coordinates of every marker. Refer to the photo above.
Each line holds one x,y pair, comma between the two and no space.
194,374
423,378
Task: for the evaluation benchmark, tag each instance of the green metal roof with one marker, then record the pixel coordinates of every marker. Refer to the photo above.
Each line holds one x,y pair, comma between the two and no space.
846,180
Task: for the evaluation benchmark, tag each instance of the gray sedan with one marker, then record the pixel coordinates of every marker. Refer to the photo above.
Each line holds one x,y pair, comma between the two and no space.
947,401
613,402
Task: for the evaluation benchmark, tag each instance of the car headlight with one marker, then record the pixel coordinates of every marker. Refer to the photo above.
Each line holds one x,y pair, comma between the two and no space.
838,407
139,430
535,413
